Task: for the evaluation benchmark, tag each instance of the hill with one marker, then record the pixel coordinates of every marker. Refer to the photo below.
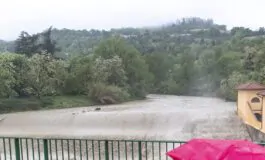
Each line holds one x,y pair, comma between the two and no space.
164,38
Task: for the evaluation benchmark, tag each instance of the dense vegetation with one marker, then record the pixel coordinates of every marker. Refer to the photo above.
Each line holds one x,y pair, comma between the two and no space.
115,73
191,56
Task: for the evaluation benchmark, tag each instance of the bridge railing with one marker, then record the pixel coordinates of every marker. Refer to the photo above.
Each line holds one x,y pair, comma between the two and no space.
83,149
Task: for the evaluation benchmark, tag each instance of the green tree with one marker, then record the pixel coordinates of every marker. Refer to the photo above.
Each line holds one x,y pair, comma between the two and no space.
249,62
60,76
14,68
7,72
228,86
27,44
184,73
42,75
20,67
109,71
160,65
48,45
37,43
134,65
228,63
79,75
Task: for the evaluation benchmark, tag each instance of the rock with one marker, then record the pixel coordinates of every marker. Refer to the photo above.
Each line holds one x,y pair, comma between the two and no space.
97,109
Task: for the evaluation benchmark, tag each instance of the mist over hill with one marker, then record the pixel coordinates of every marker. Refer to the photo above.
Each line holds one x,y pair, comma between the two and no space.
165,38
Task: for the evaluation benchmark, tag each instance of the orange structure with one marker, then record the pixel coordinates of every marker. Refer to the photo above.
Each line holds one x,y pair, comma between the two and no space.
251,103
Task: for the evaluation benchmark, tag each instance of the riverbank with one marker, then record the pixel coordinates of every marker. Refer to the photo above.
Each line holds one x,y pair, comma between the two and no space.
55,102
11,105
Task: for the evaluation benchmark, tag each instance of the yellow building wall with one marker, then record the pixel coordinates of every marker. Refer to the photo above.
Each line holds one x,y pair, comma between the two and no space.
244,110
256,106
263,113
241,102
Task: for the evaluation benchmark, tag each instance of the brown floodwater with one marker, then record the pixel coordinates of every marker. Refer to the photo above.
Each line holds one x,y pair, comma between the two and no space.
159,117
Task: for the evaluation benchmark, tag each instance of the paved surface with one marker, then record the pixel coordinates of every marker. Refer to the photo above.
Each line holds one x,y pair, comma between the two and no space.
159,117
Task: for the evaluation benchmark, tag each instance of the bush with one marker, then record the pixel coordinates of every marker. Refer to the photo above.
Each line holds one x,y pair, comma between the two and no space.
108,94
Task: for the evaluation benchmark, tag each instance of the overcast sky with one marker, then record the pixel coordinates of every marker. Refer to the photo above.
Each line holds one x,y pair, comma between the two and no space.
36,15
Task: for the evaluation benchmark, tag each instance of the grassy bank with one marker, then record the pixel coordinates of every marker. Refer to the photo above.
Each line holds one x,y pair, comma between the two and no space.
57,102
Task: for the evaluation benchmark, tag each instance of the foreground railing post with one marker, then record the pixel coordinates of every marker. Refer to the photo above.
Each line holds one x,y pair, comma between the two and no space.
45,149
106,150
140,150
17,149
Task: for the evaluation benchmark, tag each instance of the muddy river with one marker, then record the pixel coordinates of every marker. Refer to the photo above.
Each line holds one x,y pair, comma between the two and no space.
159,117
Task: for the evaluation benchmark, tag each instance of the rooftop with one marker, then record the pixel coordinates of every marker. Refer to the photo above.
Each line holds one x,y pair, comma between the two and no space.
251,86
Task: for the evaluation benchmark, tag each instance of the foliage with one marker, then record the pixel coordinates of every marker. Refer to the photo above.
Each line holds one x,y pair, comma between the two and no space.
227,89
27,44
79,75
31,44
109,71
160,65
108,94
47,44
12,74
137,73
21,68
42,75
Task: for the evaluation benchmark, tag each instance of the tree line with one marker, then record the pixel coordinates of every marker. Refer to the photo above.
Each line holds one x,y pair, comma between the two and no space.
115,73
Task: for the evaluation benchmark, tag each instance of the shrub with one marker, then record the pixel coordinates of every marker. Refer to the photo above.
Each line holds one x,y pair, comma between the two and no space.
108,94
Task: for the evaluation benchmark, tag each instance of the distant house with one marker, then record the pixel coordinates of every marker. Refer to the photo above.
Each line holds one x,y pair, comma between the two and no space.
251,103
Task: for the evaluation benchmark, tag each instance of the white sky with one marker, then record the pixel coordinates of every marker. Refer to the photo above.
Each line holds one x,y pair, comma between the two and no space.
37,15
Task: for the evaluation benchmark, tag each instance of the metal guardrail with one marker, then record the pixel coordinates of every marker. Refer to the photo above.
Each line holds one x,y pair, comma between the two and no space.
82,149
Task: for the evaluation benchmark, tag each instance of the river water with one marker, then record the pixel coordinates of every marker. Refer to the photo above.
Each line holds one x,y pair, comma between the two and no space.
159,117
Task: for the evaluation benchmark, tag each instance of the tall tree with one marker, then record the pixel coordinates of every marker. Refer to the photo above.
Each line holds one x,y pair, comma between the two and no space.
42,75
48,45
37,43
27,44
